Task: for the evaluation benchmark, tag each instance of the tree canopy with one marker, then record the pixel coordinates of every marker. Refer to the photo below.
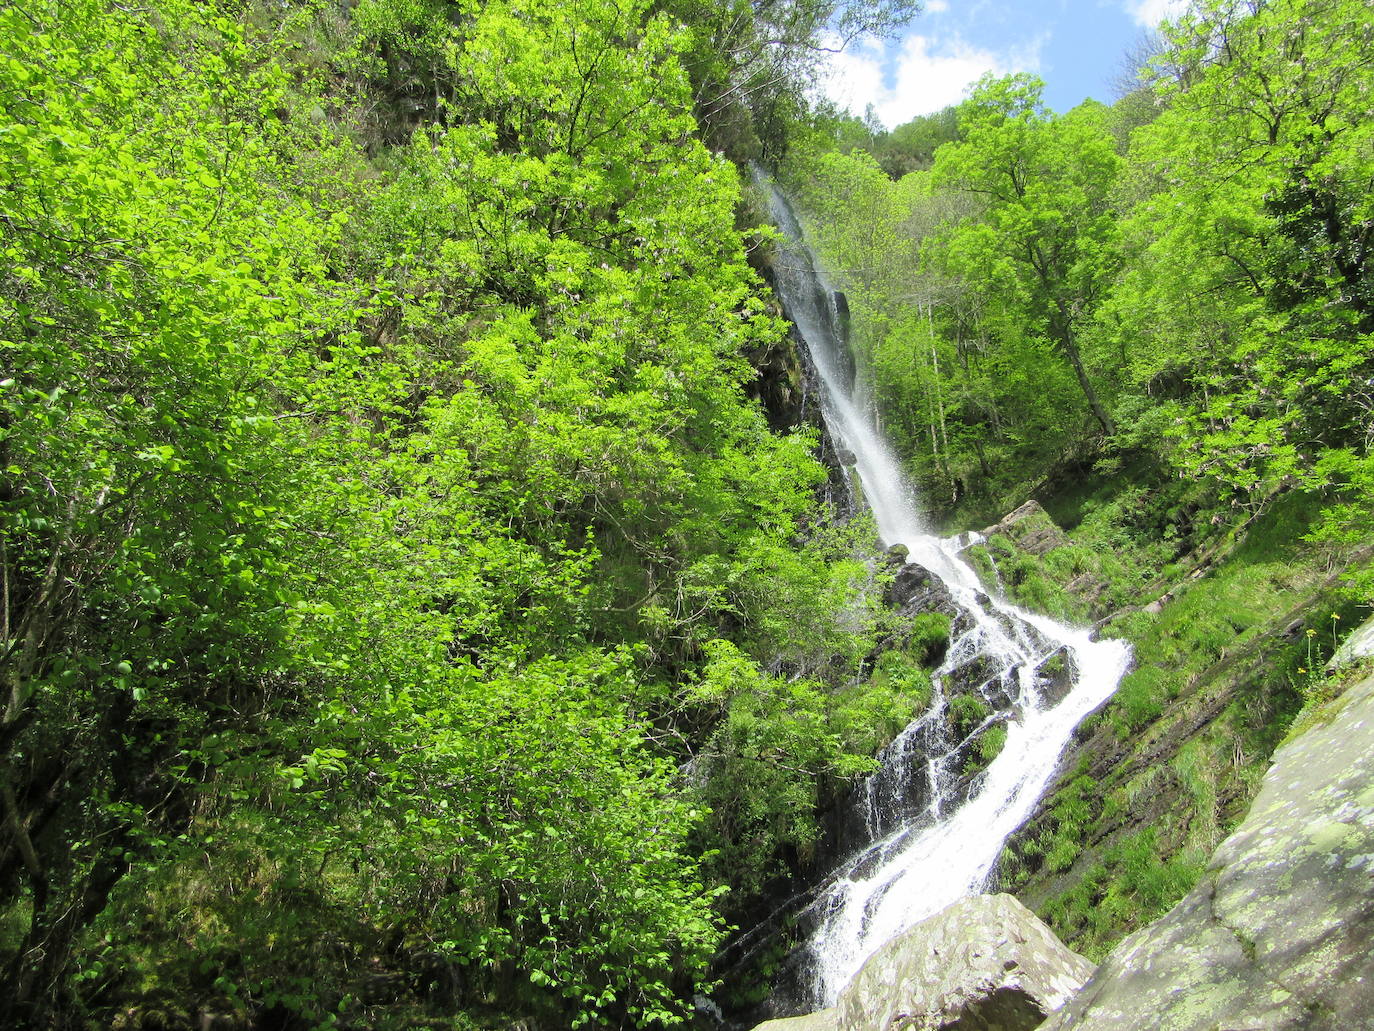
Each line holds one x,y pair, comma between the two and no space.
380,483
1195,278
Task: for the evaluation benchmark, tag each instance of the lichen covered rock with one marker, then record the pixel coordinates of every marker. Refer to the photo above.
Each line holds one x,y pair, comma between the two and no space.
983,957
1357,648
985,963
1277,934
822,1020
1030,528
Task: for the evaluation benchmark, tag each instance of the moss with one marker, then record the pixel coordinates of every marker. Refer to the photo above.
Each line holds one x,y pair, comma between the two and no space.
981,561
928,638
1033,582
986,747
991,743
965,713
1054,667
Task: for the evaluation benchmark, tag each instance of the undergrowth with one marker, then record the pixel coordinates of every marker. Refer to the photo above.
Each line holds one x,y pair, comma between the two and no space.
1222,671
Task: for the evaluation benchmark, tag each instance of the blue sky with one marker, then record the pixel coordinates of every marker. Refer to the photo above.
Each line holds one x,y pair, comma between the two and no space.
1076,46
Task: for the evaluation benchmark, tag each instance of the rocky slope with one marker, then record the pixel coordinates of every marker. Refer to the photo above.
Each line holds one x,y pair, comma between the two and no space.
1170,766
1276,935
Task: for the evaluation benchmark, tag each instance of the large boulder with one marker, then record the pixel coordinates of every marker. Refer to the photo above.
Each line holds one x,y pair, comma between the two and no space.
821,1020
1030,528
985,963
1277,935
916,589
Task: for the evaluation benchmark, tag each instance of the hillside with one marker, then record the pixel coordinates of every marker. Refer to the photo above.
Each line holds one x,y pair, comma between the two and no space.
431,592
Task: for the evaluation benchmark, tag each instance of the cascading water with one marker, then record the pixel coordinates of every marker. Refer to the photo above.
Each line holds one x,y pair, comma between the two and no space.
923,856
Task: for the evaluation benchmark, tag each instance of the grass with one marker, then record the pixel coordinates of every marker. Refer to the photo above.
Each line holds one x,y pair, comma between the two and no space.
1134,883
1222,672
965,712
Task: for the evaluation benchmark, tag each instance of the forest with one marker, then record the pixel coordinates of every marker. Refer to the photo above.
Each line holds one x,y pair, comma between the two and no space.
412,614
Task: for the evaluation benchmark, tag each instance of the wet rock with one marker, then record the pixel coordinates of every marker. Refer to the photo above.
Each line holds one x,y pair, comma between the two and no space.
1029,528
1276,935
976,675
966,540
897,554
843,355
846,457
916,589
779,385
986,963
1056,676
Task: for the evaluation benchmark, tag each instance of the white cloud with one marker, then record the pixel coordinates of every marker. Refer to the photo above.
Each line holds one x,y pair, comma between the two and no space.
935,7
1150,13
921,76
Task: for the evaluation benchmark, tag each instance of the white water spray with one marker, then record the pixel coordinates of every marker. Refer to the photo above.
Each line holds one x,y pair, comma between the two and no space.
922,861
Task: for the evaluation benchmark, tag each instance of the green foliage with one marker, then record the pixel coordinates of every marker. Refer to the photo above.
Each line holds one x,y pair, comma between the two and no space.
761,768
782,748
1131,886
1255,181
928,638
1220,677
1028,582
378,464
981,559
973,293
987,747
1070,810
1195,280
1141,698
911,146
965,714
752,64
1042,244
395,574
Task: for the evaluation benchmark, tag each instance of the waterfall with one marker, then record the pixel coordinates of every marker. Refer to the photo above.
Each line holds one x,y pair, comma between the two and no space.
922,857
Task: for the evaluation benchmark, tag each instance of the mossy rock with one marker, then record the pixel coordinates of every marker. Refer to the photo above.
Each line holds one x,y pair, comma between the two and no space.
965,713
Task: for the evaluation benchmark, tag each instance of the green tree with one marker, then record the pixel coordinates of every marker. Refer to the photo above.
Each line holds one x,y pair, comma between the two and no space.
1248,297
1042,243
752,62
360,511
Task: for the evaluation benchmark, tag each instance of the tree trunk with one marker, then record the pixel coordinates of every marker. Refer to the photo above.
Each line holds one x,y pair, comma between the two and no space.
1062,329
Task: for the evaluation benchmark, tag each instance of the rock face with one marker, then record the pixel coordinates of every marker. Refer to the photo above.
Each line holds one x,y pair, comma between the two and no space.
1355,648
986,963
1030,528
916,589
1277,935
1056,674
